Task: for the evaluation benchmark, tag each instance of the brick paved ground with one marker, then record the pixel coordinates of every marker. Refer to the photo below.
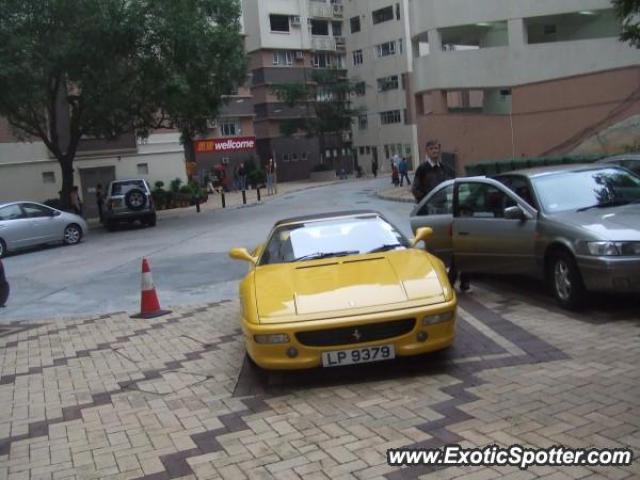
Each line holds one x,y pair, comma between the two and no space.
112,397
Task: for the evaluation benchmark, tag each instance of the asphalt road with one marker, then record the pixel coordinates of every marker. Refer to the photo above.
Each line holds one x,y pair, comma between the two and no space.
188,256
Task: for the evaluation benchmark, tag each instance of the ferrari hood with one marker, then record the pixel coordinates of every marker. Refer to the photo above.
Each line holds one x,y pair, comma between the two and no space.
346,285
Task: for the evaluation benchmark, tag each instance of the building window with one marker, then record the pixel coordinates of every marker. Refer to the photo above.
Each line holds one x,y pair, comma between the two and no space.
382,15
336,27
279,23
392,116
294,157
303,156
357,57
355,24
400,45
285,157
360,89
397,11
325,60
361,150
388,83
368,150
386,49
229,129
363,122
143,169
283,57
319,27
48,177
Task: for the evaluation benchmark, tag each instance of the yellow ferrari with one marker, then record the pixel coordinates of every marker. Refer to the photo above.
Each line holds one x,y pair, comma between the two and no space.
341,289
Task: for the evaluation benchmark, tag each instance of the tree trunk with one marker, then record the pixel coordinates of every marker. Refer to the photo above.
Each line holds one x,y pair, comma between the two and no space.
189,150
66,165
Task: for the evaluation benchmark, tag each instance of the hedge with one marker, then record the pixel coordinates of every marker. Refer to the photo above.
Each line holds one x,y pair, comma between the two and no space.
496,167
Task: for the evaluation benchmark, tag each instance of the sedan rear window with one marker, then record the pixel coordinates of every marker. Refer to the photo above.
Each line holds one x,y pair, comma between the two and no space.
334,237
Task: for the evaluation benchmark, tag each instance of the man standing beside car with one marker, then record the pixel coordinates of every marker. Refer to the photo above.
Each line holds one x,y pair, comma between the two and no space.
431,173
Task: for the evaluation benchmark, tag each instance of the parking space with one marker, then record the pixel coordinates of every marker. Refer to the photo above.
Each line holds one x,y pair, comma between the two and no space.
113,397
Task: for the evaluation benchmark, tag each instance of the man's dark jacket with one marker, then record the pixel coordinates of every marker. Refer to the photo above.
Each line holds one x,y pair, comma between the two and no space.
428,177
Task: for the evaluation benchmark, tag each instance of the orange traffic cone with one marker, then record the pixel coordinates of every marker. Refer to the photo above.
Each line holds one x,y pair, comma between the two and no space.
149,304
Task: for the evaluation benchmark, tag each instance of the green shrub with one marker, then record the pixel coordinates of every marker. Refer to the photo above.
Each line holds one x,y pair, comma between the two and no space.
175,185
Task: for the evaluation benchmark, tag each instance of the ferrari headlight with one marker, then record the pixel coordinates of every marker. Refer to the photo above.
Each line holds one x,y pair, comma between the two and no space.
609,249
439,318
272,339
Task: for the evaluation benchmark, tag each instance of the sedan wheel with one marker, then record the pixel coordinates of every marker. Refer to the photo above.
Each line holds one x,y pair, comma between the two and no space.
566,281
72,234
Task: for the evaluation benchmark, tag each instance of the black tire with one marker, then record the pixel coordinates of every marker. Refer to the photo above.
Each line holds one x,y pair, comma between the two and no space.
72,234
135,199
3,249
565,281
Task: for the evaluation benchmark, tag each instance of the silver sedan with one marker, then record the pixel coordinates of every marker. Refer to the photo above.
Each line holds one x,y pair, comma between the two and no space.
25,224
576,226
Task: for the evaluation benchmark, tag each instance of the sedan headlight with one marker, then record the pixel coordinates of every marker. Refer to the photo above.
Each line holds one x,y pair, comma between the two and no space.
272,339
610,249
439,318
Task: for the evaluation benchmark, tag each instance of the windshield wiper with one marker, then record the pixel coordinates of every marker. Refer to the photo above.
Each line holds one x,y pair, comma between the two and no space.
614,203
386,247
320,255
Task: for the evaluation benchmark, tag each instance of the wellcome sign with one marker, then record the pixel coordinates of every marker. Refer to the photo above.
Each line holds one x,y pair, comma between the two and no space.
235,144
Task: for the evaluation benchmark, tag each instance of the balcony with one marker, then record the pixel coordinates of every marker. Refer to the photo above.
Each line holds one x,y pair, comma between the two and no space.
506,66
322,9
322,42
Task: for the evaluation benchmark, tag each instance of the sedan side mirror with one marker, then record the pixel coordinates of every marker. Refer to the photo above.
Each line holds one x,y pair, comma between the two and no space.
421,235
515,213
242,254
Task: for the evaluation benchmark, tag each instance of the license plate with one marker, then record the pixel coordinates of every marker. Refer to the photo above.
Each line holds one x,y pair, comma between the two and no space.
358,355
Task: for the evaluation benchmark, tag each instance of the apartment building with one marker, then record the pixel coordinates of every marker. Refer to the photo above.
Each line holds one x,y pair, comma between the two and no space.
511,78
286,41
379,59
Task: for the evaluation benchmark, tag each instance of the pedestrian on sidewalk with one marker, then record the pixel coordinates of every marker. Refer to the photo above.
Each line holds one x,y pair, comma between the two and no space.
4,286
374,168
99,200
404,171
75,201
242,176
271,176
395,175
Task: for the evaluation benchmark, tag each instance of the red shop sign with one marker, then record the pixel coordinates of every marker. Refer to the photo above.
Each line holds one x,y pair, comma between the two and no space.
233,144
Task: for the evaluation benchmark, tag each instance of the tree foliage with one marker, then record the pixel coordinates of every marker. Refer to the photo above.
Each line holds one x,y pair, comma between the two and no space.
328,98
629,13
70,68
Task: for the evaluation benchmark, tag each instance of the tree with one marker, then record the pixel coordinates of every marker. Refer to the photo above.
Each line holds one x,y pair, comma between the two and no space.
328,98
629,13
201,52
70,68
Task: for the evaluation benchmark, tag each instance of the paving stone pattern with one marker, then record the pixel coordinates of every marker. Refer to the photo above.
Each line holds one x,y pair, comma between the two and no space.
173,397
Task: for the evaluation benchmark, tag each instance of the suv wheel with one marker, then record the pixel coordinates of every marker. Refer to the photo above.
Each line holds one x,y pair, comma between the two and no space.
135,199
566,282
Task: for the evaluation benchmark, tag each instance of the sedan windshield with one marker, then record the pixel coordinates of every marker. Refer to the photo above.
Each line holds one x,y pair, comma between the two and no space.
331,238
582,190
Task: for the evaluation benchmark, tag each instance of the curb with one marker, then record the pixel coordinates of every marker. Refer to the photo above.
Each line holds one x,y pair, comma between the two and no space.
394,199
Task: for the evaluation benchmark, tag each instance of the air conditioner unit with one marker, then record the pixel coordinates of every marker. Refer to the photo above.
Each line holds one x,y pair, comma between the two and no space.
299,55
212,123
295,20
340,40
338,9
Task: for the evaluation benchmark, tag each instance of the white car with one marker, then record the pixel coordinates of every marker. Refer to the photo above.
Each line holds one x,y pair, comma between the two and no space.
25,224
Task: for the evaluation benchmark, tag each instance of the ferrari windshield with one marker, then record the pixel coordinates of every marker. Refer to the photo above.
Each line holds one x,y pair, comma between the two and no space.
333,237
582,190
